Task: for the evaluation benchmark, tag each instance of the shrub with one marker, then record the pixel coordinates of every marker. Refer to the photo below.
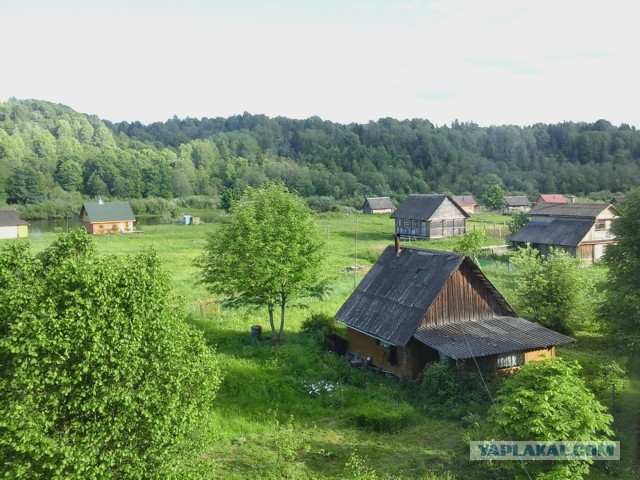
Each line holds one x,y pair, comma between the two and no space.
319,322
383,417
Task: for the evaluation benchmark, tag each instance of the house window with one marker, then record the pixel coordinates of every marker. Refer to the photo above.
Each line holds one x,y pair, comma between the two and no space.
601,225
510,360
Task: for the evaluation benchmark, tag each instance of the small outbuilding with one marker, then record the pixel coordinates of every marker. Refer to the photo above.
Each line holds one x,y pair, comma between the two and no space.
11,225
466,202
417,306
423,216
373,205
516,204
107,217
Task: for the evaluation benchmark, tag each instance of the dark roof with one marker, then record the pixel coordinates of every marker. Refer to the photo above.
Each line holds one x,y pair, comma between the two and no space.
379,203
464,200
422,207
576,210
394,296
108,212
489,336
10,218
552,198
519,201
566,232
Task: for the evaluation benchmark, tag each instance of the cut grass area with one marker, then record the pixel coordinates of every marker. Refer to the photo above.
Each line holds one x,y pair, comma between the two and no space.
268,425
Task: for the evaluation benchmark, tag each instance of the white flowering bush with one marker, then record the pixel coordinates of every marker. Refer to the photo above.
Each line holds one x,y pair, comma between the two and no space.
330,393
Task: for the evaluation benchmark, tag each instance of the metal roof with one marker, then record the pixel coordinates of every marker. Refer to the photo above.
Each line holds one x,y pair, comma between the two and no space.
518,201
422,207
10,218
394,296
552,198
490,336
584,210
566,232
464,200
379,203
108,212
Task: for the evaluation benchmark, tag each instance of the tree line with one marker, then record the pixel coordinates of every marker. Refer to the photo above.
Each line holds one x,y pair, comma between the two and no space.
50,152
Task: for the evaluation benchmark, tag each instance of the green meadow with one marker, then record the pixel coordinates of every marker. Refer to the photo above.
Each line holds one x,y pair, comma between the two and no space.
296,411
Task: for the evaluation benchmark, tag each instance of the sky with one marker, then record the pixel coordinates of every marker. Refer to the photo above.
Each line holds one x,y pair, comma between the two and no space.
492,62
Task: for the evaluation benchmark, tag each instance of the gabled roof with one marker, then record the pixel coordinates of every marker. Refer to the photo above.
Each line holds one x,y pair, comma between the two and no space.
10,218
552,198
517,201
464,200
574,210
394,296
565,232
422,207
379,203
108,212
490,336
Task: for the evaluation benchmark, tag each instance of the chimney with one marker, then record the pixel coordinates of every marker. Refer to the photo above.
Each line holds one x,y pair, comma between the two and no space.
396,239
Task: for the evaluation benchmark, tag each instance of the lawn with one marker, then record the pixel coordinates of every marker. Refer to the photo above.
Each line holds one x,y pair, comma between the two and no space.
295,411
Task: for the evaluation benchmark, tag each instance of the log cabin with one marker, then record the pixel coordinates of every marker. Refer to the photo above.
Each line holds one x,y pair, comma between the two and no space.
423,216
107,217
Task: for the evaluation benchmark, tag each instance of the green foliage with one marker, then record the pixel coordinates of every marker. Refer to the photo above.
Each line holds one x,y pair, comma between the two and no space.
268,253
319,322
519,220
99,375
548,401
450,391
609,377
356,468
551,290
494,197
622,307
383,417
470,243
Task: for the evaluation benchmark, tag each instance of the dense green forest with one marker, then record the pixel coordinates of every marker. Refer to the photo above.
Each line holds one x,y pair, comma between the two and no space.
49,153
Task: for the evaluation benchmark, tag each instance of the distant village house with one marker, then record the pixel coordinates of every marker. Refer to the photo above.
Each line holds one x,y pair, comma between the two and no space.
466,202
107,217
516,204
429,216
417,306
373,205
12,226
582,230
551,198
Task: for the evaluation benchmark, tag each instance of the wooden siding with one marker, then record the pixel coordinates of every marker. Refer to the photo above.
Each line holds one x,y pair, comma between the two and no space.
464,298
365,346
105,228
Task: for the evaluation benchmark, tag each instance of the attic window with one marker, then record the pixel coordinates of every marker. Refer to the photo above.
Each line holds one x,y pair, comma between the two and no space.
601,225
509,360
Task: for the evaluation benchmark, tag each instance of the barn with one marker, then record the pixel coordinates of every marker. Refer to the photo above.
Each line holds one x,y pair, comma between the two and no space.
417,306
423,216
373,205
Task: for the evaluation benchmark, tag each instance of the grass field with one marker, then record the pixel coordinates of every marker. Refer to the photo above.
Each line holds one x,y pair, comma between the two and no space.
293,411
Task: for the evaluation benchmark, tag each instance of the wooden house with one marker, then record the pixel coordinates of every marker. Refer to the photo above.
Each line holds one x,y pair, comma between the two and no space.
417,306
107,217
374,205
11,225
582,230
466,202
551,198
516,204
429,216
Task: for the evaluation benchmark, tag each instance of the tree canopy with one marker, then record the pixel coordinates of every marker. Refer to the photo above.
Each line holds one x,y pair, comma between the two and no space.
269,252
100,377
548,401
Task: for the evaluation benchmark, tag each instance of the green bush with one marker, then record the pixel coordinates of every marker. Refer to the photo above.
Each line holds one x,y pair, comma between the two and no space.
319,322
383,417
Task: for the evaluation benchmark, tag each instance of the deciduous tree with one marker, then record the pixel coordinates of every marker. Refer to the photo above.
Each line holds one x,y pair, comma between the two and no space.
268,253
100,377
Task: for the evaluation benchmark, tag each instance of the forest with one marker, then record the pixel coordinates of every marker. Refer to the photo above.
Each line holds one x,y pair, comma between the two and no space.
50,153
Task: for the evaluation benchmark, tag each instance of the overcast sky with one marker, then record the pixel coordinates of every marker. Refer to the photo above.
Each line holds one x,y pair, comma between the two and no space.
492,62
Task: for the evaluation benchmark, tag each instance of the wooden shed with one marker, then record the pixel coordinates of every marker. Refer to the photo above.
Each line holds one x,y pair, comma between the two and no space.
582,230
11,225
373,205
429,216
417,306
107,217
515,204
466,202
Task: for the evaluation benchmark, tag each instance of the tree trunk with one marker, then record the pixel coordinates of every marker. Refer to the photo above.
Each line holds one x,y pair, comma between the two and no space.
271,324
283,305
